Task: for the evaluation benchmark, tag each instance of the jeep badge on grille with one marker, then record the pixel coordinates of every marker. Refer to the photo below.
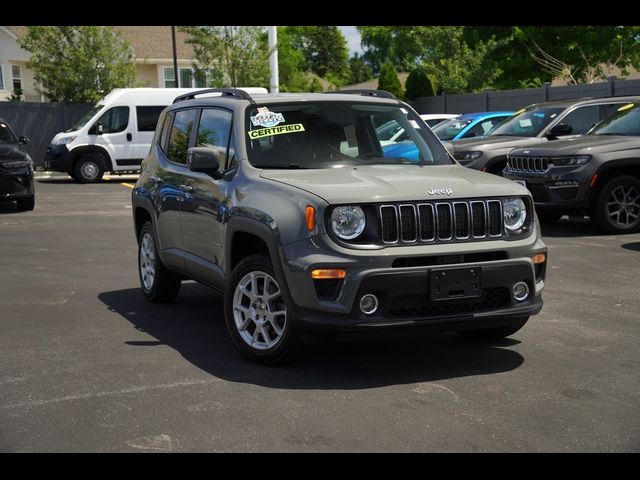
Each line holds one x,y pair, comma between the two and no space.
440,191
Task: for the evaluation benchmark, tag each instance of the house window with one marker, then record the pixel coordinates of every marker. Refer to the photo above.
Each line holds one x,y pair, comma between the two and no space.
169,78
187,78
16,77
1,78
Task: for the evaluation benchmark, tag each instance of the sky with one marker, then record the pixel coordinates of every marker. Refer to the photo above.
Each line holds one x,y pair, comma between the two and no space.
353,39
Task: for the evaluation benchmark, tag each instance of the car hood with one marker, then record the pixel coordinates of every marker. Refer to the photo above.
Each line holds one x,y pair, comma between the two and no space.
584,145
485,143
394,183
11,152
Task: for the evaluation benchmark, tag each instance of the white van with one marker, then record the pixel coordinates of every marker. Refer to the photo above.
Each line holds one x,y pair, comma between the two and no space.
115,135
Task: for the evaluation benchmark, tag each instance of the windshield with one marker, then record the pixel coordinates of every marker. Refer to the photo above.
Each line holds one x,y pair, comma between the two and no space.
450,128
6,135
85,118
528,123
338,134
625,122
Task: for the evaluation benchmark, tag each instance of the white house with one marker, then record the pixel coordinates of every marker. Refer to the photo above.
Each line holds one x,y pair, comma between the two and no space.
153,52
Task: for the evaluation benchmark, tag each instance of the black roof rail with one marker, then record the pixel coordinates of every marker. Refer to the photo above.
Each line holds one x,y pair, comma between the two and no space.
368,92
229,92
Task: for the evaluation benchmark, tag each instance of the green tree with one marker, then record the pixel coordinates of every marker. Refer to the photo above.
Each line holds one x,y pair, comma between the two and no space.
359,71
418,84
230,56
324,50
389,80
78,63
455,65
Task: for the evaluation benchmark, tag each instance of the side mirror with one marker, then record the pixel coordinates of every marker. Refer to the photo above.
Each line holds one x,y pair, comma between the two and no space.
558,130
22,140
204,160
96,129
449,147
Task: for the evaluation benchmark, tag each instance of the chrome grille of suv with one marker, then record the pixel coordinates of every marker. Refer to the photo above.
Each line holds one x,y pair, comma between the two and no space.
528,164
441,221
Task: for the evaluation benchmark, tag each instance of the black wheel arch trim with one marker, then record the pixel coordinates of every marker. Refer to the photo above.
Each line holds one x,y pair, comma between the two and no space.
77,153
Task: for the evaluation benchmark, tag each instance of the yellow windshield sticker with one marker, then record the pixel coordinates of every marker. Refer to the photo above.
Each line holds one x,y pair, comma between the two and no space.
279,130
519,111
626,107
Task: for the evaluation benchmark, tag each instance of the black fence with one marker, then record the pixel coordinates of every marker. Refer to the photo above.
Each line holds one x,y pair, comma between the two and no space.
39,122
516,99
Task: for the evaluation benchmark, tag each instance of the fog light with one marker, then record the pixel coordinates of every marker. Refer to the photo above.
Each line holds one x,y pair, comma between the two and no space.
520,291
369,304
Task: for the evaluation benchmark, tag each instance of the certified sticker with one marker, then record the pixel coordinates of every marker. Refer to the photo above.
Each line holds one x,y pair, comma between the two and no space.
266,118
268,132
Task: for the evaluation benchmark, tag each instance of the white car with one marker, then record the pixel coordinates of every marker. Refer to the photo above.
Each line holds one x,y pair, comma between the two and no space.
432,119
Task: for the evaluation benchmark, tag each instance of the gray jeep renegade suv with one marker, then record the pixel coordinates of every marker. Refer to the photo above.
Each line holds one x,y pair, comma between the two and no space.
291,206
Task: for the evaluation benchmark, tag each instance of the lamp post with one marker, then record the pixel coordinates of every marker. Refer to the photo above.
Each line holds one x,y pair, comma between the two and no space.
273,59
175,57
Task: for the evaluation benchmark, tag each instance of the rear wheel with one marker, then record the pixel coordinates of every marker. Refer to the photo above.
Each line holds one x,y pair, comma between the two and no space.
256,313
27,203
89,169
495,333
159,285
617,206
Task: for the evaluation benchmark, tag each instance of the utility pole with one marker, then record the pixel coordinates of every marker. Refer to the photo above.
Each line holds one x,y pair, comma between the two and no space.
274,86
175,57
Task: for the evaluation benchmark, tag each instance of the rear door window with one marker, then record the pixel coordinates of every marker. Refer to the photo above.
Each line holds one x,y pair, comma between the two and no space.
180,136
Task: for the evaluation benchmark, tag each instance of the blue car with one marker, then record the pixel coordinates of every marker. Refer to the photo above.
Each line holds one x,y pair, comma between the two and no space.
469,125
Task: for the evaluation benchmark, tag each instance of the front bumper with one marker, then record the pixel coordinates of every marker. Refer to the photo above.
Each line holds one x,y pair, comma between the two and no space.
566,192
16,183
404,292
57,158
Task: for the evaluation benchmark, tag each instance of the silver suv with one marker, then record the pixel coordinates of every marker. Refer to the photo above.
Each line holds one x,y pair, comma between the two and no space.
292,206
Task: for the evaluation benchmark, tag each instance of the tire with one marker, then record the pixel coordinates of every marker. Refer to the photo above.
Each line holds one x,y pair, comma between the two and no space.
622,195
250,318
495,333
549,217
26,204
89,169
159,285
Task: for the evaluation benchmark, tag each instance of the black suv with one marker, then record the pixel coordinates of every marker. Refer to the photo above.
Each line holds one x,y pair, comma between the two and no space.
290,205
597,174
16,169
532,126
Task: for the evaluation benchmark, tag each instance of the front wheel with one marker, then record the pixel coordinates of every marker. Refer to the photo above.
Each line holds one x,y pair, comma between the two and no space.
256,313
617,206
495,333
89,169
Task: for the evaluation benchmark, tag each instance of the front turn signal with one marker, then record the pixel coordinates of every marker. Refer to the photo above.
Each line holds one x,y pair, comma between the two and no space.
539,258
328,274
310,218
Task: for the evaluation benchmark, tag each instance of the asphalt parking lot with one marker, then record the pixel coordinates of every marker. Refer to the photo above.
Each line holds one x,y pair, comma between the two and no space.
87,365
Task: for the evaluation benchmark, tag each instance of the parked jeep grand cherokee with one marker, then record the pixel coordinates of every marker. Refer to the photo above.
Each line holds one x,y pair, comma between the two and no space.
288,204
535,125
597,174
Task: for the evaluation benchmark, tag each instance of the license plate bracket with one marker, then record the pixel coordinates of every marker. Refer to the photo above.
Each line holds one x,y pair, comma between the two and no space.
454,283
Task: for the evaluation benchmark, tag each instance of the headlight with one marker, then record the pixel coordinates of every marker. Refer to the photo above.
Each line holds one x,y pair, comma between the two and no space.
569,161
347,222
514,212
16,164
472,155
65,140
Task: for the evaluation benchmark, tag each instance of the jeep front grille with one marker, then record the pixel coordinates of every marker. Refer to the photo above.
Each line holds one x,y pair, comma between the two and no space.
440,222
528,164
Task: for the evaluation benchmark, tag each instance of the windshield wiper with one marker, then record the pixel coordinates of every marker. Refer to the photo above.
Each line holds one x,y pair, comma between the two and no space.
292,166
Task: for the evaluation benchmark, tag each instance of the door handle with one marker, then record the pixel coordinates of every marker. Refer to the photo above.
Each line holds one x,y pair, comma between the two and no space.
154,179
186,188
129,137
